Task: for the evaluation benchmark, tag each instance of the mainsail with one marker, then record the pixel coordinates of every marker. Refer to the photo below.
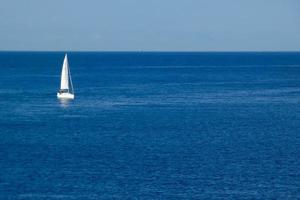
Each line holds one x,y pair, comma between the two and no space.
64,82
66,87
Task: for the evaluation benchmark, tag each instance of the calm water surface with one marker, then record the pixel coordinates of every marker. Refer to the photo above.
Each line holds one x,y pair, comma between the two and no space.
151,126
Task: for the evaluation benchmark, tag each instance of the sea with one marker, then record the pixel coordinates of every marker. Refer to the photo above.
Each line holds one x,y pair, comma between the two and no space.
150,125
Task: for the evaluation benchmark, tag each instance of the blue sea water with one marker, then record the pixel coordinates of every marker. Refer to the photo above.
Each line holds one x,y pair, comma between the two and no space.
148,125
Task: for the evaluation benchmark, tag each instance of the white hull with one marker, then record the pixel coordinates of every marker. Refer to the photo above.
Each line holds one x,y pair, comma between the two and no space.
65,96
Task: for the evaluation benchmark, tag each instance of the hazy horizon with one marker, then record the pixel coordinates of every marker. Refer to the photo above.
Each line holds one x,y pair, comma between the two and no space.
150,51
150,26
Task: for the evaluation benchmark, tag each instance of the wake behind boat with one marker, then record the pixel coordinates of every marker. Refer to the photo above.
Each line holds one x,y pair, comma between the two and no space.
66,87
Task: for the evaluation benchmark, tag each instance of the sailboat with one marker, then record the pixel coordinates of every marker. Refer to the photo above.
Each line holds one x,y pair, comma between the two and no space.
66,87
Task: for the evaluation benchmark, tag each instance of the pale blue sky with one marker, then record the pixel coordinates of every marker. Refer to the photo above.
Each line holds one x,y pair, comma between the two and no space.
150,25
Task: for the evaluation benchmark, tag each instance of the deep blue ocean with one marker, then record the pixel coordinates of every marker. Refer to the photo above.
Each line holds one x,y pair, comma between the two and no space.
148,125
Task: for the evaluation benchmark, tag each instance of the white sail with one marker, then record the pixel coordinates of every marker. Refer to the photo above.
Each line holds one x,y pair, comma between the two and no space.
64,82
66,87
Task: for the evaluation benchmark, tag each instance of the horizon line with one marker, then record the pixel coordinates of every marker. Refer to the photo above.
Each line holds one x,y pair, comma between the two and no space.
152,51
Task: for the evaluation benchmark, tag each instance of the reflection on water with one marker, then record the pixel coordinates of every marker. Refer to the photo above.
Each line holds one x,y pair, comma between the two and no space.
64,103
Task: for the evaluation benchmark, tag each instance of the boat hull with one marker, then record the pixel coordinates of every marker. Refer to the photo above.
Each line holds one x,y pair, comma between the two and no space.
65,96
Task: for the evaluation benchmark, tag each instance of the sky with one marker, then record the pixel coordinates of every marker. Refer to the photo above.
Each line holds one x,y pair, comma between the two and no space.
150,25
